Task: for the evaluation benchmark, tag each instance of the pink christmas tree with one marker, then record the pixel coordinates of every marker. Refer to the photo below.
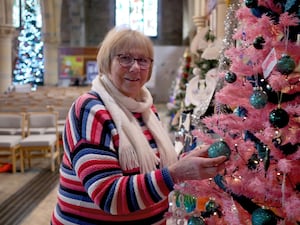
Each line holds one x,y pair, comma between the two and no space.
261,134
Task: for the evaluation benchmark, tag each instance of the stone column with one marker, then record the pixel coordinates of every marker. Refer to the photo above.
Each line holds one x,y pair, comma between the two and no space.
199,18
77,23
221,9
7,33
51,16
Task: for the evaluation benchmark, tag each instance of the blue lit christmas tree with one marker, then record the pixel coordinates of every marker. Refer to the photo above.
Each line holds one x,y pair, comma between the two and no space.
29,67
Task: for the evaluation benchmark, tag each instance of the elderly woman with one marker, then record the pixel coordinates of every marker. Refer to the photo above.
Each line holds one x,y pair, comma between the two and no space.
119,164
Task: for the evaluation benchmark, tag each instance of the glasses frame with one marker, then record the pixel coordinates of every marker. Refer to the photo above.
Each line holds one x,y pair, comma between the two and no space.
133,60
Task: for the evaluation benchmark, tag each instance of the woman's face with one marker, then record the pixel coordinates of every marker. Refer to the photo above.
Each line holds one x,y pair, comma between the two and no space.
130,71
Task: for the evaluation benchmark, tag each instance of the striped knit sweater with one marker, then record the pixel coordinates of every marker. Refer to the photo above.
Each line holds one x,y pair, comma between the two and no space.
93,188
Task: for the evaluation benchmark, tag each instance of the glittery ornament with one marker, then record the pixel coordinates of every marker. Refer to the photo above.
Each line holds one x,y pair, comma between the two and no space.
277,139
187,201
286,65
253,162
251,3
289,149
279,118
262,216
258,99
240,111
211,206
195,221
218,149
258,43
230,77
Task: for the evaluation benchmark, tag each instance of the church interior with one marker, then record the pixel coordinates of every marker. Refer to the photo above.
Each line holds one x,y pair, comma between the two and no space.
48,52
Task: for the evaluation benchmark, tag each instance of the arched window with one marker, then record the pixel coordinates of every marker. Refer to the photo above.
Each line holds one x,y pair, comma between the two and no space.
138,14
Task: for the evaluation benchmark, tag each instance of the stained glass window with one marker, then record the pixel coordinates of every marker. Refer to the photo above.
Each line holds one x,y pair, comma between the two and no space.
138,14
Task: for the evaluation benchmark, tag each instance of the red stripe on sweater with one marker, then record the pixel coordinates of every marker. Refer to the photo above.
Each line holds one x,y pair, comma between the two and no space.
98,214
91,166
100,190
144,193
71,184
96,130
121,196
160,180
69,135
55,221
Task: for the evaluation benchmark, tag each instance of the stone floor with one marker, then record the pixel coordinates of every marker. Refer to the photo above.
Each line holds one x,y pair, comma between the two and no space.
41,213
12,184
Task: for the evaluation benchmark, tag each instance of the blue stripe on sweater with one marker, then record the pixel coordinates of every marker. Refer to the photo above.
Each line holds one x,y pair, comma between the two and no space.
80,196
155,196
93,177
134,204
109,198
167,177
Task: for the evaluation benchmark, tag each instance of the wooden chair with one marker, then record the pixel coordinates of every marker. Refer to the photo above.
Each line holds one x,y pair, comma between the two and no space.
12,131
41,144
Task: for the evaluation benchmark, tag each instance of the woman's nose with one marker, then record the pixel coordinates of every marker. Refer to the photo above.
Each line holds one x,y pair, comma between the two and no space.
135,65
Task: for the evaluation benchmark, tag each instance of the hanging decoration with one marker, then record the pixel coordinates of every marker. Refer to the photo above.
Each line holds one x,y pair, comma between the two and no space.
279,118
230,77
259,98
219,148
259,42
263,216
286,65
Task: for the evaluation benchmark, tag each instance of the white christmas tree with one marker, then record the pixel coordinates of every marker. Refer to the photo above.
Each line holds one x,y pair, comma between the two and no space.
29,66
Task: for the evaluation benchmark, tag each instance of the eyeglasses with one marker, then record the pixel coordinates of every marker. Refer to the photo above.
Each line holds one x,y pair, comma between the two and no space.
127,61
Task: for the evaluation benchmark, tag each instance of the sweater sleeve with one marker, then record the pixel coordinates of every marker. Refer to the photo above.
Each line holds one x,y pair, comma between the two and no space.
92,140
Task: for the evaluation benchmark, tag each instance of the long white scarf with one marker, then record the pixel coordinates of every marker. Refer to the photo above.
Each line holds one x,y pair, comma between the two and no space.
134,149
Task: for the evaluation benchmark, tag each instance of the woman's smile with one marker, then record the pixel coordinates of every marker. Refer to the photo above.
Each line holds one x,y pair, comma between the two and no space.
132,79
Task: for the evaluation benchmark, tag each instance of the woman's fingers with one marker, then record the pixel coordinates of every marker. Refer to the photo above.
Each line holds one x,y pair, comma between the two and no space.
196,165
199,151
214,162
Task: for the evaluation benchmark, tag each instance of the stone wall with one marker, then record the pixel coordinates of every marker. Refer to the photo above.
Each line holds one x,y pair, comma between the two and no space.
98,17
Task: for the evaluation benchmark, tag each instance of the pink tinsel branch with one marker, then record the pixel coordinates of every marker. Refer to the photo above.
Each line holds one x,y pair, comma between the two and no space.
285,165
292,207
277,81
287,20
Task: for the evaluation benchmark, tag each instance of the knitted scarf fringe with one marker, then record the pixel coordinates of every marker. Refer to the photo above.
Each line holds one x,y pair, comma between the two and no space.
134,149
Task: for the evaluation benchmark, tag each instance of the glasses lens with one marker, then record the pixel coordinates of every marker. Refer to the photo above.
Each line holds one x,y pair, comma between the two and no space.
128,60
144,62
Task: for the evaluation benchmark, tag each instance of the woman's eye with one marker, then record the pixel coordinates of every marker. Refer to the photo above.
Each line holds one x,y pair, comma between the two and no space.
143,60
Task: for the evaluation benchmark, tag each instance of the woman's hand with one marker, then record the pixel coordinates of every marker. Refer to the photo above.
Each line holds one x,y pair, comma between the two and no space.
196,166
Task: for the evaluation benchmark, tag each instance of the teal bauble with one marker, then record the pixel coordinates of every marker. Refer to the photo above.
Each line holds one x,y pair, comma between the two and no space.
286,65
258,99
279,118
230,77
259,42
240,111
211,206
219,148
187,201
251,3
196,221
262,216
